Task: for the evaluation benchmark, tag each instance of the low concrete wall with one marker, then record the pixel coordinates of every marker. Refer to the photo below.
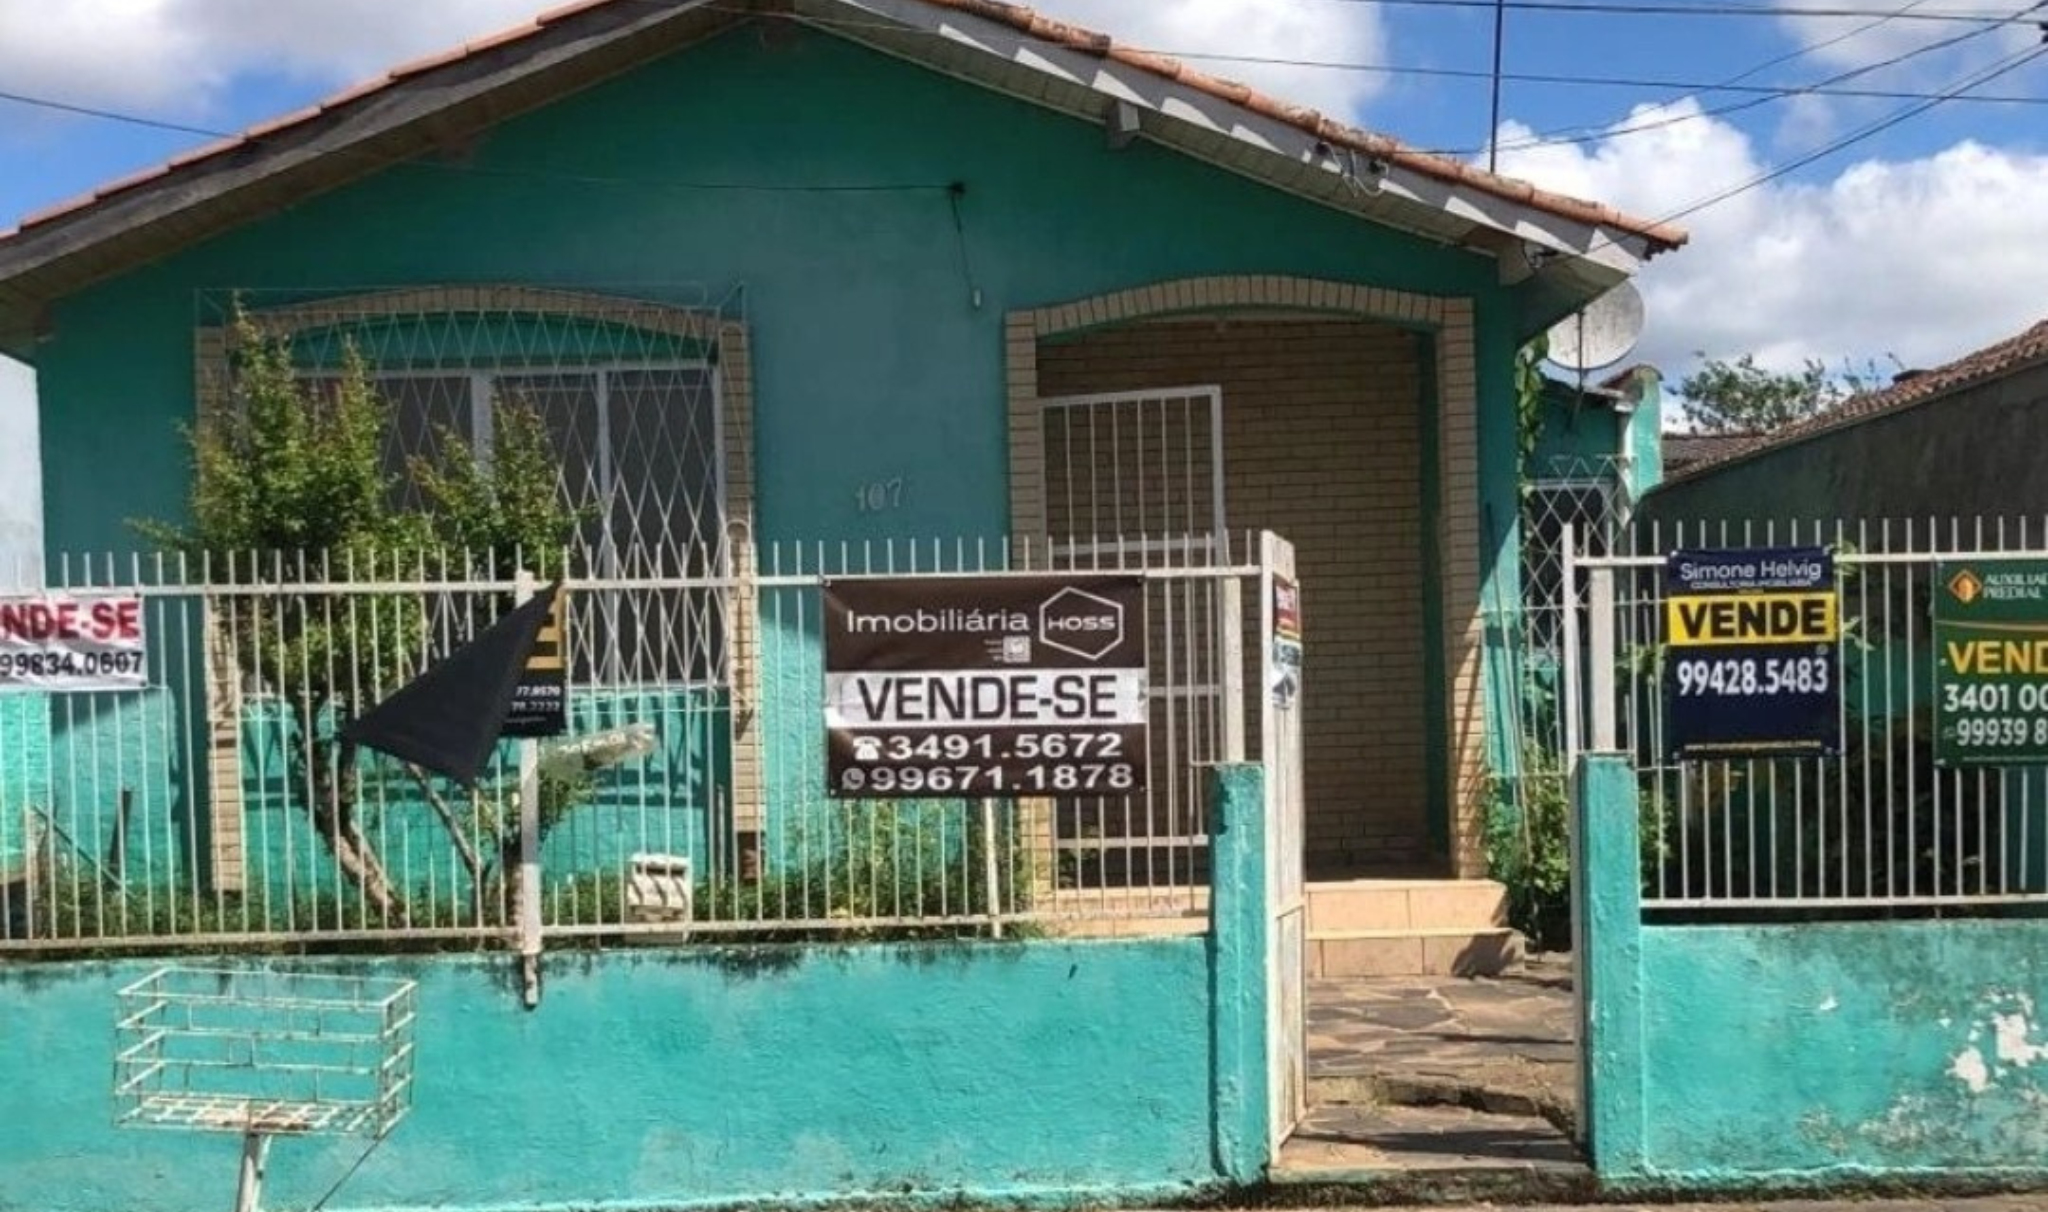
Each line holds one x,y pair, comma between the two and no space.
1020,1071
1728,1056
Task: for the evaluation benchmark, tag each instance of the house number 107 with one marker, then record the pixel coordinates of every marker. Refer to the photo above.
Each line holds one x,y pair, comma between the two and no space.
878,495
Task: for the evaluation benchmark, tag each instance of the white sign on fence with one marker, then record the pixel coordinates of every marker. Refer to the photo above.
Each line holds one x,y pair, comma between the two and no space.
59,642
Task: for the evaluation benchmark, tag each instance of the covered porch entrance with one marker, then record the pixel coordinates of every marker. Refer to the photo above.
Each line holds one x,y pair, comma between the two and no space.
1343,417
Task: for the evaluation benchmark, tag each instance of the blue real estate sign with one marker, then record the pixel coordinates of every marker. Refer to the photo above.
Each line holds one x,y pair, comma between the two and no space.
1751,666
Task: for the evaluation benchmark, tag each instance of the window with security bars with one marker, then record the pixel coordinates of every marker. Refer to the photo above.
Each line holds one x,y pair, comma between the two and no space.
640,453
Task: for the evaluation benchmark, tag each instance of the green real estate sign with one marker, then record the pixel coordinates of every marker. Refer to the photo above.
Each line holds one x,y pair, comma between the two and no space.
1991,663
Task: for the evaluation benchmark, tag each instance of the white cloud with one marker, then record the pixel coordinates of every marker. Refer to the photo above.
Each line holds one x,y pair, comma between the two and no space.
1922,259
1299,30
177,57
1853,42
1894,52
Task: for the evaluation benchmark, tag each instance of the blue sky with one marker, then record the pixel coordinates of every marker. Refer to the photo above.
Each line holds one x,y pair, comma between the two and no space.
1914,246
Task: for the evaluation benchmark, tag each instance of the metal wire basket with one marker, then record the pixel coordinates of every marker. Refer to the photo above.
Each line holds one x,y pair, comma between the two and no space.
264,1052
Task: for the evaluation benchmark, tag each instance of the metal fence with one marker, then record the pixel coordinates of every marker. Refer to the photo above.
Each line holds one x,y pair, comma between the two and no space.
1588,499
216,806
1877,827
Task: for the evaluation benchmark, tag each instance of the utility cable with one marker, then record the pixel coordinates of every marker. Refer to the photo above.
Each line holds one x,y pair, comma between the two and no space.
1818,88
1868,131
1583,133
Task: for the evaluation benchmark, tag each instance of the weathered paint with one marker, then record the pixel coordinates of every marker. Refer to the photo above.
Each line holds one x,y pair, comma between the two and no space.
1036,1072
666,1078
1241,934
1734,1055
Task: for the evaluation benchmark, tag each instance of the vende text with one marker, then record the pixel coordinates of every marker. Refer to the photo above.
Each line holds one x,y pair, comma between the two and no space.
1011,697
101,620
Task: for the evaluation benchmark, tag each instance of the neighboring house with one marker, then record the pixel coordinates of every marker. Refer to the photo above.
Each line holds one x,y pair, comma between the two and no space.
1960,441
835,272
1686,452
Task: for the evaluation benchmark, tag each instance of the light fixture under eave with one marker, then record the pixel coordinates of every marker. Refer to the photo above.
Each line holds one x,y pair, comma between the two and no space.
1368,177
1124,123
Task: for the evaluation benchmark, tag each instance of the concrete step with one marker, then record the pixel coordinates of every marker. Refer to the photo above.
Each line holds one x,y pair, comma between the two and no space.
1453,951
1444,1152
1415,927
1405,904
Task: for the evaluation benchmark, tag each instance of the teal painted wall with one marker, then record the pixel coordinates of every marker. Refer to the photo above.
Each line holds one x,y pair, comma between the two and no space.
1877,1047
666,1078
872,361
96,748
1575,431
1645,437
1056,1071
1241,936
1724,1056
24,785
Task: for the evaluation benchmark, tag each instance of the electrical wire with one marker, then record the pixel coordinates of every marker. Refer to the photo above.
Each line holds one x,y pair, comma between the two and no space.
1861,134
1921,100
1819,88
1614,8
1582,133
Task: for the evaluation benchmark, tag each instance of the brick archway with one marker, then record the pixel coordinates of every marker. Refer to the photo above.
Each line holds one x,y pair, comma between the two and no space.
1449,324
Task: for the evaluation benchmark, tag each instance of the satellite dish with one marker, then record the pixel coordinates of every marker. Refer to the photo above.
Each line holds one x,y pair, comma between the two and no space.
1602,333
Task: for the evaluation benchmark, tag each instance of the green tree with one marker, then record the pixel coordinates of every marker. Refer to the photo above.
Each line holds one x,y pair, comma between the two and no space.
288,477
1742,397
508,509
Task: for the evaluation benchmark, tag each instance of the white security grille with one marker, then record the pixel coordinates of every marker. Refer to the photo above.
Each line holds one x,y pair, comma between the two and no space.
1149,464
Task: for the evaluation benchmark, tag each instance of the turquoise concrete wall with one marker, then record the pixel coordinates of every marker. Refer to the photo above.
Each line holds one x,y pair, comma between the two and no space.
1724,1056
1645,431
1241,936
24,768
1036,1071
660,1079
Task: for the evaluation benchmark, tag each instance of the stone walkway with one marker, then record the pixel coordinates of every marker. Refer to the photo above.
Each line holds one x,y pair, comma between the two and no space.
1435,1077
1504,1044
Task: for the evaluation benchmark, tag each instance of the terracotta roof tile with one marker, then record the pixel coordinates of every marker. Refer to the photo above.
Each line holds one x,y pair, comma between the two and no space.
1660,236
1991,362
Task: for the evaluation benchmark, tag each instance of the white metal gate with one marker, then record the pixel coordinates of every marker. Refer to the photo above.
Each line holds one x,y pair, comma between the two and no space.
1135,479
1279,690
1133,463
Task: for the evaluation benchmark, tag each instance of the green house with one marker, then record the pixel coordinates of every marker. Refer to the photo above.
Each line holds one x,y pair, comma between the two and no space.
827,276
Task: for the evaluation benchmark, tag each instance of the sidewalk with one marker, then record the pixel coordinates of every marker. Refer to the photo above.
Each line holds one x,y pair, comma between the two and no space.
2001,1203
